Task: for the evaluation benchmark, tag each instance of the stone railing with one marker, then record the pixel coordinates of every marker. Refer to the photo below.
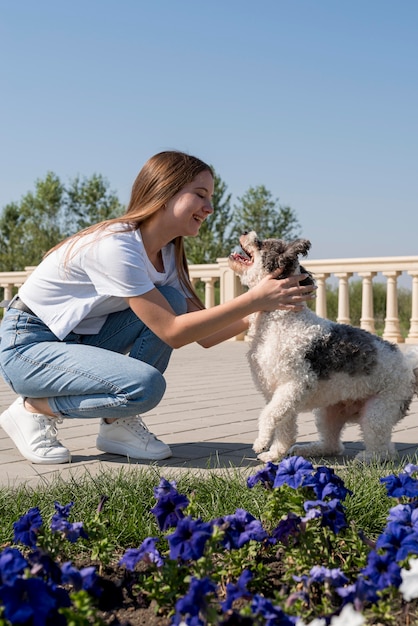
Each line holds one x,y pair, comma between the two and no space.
390,268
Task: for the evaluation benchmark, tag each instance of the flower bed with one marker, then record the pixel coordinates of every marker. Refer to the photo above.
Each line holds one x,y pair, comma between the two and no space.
300,563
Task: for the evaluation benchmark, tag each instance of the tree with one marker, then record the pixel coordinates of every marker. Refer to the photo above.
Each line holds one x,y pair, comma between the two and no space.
49,214
90,201
213,240
258,210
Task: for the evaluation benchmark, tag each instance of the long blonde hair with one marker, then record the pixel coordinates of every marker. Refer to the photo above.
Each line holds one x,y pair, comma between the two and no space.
162,177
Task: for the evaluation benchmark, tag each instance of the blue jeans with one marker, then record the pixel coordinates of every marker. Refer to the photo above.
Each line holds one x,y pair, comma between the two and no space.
88,375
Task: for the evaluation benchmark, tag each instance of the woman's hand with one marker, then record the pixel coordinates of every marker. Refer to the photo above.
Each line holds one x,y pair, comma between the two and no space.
286,293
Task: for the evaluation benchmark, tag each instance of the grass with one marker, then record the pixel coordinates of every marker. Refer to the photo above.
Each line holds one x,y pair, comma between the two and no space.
130,498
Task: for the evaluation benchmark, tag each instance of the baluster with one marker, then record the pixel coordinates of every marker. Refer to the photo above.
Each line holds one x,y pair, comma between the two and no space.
209,292
321,294
367,312
413,329
343,298
392,330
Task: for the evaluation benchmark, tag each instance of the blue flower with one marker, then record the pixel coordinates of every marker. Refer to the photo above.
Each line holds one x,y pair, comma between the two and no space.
326,483
59,523
288,527
146,552
193,605
165,488
334,576
238,590
84,578
274,615
189,539
265,476
332,512
292,471
402,485
26,528
12,564
28,601
382,570
169,509
239,529
392,538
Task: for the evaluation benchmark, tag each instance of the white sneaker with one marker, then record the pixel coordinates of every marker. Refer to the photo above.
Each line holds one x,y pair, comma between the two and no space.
130,437
34,435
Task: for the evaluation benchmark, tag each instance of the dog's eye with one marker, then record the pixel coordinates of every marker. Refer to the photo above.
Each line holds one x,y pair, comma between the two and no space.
258,243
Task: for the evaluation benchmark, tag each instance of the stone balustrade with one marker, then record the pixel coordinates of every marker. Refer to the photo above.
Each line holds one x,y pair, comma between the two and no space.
366,269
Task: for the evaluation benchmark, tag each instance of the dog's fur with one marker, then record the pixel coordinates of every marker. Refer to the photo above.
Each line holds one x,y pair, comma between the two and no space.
303,362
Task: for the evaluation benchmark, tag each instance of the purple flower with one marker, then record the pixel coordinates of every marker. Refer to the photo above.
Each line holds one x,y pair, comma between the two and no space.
12,564
60,524
189,539
326,483
165,488
392,538
26,528
288,527
240,528
84,578
401,514
146,552
169,508
334,576
273,615
382,570
332,513
63,510
265,476
238,590
194,604
292,471
402,485
28,601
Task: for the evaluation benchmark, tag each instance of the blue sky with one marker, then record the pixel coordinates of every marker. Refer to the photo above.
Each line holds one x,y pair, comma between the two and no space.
315,99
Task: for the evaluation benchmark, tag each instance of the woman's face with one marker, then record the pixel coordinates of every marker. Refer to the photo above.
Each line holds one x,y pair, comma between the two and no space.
191,205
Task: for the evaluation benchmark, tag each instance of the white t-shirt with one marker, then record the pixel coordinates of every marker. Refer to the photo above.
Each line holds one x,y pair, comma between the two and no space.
76,291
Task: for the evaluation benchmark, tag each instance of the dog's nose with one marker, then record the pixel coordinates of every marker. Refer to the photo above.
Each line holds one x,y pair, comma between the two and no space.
245,232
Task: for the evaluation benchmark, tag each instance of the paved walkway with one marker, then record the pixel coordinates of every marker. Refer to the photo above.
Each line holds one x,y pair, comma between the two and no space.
208,417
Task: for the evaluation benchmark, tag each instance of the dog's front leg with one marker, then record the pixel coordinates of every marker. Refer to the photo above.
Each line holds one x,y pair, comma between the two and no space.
277,424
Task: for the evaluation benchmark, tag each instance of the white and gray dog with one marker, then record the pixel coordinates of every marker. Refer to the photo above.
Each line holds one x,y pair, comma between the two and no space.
302,362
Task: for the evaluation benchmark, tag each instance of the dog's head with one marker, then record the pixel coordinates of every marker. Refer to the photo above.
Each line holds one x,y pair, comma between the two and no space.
259,257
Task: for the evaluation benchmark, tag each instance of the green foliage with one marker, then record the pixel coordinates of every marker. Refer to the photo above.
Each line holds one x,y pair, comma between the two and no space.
258,210
42,218
379,305
213,241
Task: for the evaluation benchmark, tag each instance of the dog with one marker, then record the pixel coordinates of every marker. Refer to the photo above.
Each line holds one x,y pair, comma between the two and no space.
303,362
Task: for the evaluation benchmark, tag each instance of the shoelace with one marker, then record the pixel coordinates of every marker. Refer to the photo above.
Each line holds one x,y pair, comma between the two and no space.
51,430
139,426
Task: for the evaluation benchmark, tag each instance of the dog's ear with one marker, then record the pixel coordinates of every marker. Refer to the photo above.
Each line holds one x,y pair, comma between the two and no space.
309,280
299,247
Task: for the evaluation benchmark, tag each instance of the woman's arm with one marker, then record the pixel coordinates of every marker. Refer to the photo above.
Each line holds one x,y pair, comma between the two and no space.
179,330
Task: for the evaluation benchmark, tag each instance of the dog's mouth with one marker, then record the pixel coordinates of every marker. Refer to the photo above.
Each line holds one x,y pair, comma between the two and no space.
240,255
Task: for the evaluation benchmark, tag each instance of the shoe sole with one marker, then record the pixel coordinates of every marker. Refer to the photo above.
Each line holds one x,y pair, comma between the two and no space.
113,447
9,426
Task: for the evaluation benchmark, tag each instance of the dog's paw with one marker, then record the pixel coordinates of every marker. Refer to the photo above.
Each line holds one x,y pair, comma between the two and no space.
261,445
269,456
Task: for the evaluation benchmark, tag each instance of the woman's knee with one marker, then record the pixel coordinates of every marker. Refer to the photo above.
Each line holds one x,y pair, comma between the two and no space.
176,299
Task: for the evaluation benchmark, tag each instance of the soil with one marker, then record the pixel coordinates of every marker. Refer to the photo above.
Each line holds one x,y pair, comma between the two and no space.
121,607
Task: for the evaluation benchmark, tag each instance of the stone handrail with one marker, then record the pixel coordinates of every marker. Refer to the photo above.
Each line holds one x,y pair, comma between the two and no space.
391,268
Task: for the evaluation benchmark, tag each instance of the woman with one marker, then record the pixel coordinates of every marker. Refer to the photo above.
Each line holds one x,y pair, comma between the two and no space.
118,287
